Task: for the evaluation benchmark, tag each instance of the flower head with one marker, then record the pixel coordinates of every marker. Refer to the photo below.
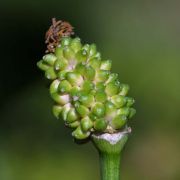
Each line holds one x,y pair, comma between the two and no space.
87,96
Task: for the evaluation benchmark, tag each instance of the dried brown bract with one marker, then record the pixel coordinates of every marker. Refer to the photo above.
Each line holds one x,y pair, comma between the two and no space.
57,30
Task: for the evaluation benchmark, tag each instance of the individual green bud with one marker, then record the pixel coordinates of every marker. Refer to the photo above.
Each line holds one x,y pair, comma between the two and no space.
74,124
61,99
74,91
80,134
95,63
119,121
86,47
76,44
89,73
81,55
93,117
87,86
50,73
123,111
86,100
65,41
41,65
57,110
102,75
99,109
81,93
49,59
100,96
92,50
106,65
97,55
112,77
132,112
118,100
86,123
80,68
54,86
65,110
82,110
72,115
110,108
100,124
74,78
112,88
61,64
100,86
64,86
62,74
68,53
59,52
130,101
124,89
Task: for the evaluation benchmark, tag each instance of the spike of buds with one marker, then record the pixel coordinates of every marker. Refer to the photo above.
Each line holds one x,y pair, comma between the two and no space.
87,96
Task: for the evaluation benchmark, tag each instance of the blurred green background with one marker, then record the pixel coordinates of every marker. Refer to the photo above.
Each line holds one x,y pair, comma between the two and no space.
143,40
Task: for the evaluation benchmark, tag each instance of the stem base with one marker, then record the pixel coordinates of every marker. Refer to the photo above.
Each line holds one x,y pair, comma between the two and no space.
109,147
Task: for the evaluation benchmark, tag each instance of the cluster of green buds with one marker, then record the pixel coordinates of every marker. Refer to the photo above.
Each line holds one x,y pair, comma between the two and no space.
88,97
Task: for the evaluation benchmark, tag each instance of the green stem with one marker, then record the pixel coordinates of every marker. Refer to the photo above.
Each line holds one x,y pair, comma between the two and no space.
109,164
109,147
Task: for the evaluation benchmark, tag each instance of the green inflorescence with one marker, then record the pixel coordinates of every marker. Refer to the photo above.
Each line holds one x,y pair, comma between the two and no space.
88,97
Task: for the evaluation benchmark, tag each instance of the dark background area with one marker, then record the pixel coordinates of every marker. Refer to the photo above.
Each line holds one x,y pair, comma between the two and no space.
143,40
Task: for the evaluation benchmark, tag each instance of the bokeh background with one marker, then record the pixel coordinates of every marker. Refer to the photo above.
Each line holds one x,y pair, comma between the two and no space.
142,37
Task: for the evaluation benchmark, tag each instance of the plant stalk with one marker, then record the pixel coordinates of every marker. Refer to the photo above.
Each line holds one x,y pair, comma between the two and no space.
109,147
110,164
